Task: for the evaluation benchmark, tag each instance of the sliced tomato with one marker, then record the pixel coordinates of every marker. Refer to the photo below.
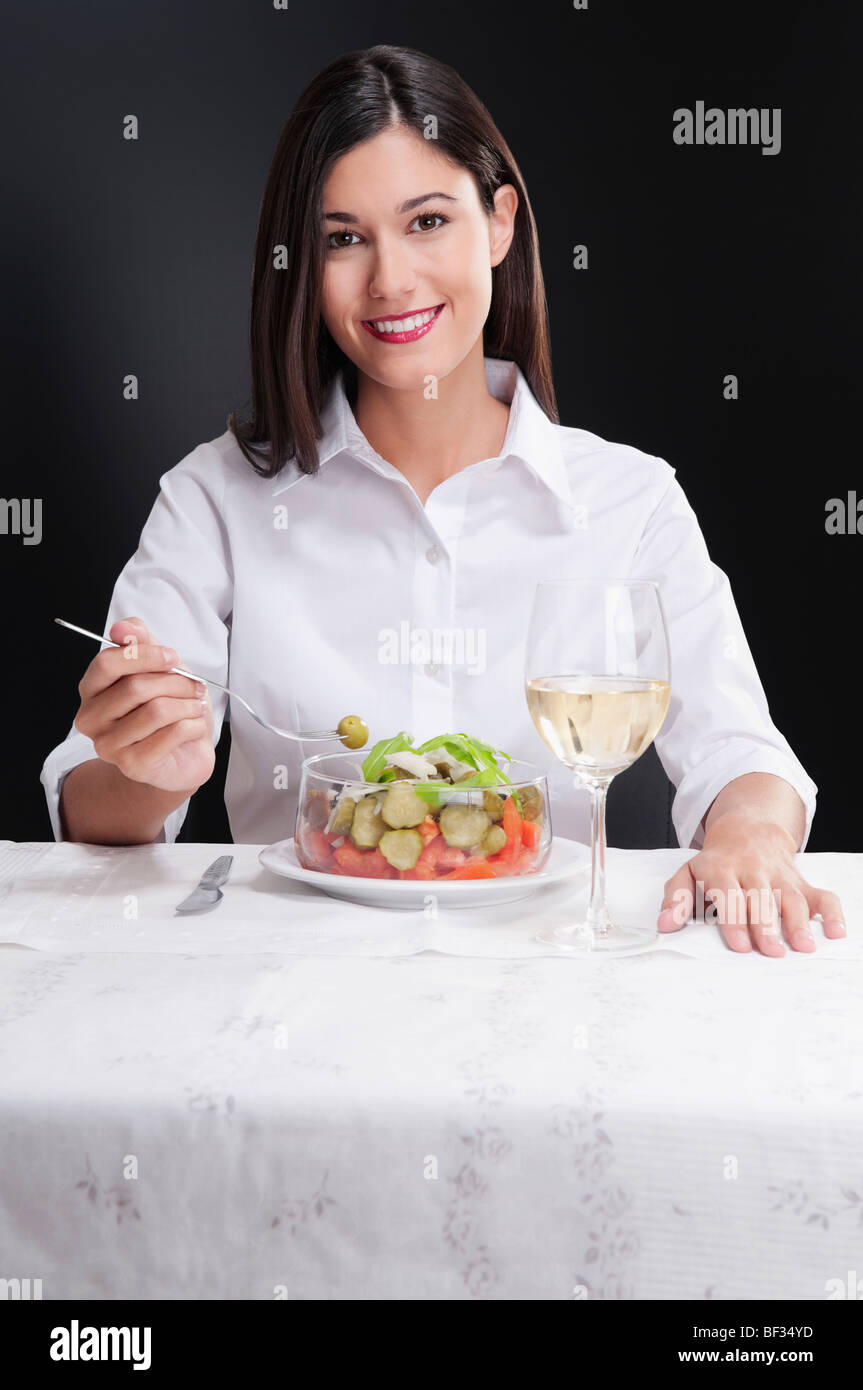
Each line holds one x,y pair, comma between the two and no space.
432,852
419,871
314,850
525,862
476,869
363,863
449,858
530,833
512,824
500,863
428,828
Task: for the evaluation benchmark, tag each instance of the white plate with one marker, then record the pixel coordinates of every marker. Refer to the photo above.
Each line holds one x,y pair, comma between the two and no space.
567,858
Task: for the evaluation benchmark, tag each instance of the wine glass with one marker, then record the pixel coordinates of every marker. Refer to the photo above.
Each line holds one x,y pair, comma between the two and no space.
598,683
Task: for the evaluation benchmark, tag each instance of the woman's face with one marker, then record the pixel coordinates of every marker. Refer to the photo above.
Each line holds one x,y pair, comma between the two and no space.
404,232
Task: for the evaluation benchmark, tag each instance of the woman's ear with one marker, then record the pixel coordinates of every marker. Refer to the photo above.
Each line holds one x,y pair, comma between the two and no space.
502,222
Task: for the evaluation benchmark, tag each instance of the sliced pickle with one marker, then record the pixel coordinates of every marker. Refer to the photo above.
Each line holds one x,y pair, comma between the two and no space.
401,848
531,803
402,807
343,817
463,826
493,840
368,824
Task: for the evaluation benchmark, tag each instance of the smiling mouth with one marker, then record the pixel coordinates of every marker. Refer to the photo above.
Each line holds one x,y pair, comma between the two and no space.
404,328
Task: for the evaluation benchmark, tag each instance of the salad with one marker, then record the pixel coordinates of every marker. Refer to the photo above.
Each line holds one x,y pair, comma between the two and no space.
446,809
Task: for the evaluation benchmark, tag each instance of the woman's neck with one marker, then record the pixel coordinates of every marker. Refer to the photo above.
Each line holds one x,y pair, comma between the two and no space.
430,437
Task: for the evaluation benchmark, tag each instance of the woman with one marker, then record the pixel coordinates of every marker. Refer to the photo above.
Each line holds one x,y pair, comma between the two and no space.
371,538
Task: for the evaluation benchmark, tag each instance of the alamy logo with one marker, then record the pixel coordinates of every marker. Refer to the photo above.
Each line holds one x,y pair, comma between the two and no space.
842,519
735,127
76,1343
20,1289
21,516
416,646
852,1287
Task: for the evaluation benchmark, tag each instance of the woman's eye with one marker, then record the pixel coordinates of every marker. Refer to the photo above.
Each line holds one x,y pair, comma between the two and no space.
333,245
338,246
431,215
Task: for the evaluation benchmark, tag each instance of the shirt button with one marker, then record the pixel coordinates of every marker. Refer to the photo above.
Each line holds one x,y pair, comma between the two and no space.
433,554
431,669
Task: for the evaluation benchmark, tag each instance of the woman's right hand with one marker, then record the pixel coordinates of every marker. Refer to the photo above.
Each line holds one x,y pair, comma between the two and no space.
154,726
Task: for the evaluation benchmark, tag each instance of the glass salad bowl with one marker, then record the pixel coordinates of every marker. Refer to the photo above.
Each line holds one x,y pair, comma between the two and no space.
412,825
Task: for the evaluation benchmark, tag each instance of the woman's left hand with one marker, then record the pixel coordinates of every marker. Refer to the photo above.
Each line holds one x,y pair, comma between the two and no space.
745,872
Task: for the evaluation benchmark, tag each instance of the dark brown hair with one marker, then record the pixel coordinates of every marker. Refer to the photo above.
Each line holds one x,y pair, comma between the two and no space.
293,355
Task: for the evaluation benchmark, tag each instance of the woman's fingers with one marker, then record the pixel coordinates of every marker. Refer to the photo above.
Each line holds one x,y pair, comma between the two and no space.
748,909
126,630
126,695
759,907
795,917
145,720
114,663
137,760
726,906
678,901
826,905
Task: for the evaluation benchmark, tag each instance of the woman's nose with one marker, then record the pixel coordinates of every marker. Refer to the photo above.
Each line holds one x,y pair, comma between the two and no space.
393,277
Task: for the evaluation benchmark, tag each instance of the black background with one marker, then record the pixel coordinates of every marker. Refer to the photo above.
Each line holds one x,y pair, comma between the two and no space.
135,257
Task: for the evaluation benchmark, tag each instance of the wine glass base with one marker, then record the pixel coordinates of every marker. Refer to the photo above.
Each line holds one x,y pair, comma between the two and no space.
580,940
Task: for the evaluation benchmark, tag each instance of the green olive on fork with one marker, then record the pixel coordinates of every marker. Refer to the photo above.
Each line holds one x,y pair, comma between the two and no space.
352,731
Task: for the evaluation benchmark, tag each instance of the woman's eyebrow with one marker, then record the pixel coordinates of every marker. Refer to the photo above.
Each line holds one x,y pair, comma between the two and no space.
403,207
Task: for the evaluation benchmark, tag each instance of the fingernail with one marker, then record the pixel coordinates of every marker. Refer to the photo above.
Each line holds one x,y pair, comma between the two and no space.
803,939
835,925
200,688
170,656
666,920
740,939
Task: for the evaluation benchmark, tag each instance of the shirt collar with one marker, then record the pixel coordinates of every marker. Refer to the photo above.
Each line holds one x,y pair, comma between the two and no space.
531,437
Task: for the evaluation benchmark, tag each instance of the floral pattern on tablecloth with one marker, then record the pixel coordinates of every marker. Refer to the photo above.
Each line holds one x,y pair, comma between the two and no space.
650,1127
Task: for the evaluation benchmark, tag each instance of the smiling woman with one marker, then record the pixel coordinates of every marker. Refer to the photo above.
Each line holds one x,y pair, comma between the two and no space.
405,262
403,471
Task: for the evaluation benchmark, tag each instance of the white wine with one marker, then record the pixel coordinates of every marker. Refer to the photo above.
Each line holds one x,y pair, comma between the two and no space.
597,725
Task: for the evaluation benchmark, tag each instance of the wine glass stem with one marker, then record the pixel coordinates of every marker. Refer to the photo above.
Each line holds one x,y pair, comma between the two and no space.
597,912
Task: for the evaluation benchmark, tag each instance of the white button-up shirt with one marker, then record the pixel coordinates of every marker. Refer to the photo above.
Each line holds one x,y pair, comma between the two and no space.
341,593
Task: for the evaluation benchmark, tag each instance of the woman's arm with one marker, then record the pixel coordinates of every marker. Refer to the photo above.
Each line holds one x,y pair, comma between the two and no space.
722,750
180,581
718,731
100,806
746,871
760,796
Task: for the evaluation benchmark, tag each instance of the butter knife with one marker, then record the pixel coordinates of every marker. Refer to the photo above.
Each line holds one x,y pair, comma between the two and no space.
207,893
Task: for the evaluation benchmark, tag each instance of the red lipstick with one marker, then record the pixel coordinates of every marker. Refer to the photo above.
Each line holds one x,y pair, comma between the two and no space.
408,337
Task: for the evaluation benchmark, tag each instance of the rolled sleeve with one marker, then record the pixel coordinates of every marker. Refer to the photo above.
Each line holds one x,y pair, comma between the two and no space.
718,726
699,790
180,583
77,748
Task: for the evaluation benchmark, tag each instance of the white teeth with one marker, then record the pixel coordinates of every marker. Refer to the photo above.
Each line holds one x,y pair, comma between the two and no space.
403,325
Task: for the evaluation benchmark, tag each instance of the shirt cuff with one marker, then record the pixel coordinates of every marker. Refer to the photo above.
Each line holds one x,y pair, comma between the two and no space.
173,824
699,789
77,749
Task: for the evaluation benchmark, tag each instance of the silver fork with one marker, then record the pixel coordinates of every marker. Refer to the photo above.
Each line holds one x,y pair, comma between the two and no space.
307,737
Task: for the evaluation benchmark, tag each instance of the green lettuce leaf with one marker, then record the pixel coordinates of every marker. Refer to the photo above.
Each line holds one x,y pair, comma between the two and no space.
471,751
376,760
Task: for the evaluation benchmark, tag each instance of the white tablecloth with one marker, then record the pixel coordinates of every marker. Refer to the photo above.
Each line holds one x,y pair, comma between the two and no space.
206,1121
